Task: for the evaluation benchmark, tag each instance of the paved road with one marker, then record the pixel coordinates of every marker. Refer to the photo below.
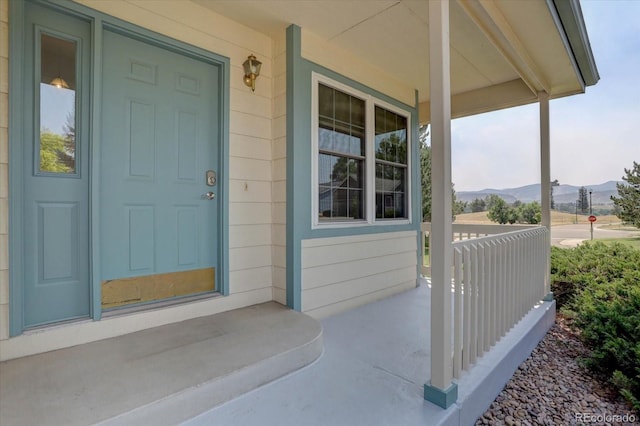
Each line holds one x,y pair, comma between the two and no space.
572,235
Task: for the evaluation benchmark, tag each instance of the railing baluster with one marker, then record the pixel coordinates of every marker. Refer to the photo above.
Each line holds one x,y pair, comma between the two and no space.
466,308
457,312
487,291
510,289
515,294
473,289
482,300
499,274
503,285
494,292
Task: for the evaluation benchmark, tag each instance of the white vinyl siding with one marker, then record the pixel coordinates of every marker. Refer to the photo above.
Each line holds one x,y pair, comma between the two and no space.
340,273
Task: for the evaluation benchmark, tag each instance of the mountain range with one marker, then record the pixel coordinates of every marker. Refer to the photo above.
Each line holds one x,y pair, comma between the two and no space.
601,193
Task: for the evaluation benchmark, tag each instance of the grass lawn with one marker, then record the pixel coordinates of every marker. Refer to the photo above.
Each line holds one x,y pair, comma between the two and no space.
557,218
633,241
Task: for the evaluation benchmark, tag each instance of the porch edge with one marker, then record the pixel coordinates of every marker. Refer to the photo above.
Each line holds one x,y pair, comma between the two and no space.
479,387
500,365
192,402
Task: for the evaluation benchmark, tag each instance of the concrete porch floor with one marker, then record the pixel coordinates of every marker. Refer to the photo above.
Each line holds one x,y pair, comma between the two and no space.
375,362
160,376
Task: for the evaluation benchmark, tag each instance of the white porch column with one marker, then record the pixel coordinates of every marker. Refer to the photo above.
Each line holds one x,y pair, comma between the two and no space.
545,180
545,160
440,390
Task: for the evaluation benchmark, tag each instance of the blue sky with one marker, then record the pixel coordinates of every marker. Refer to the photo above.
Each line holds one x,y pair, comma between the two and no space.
594,136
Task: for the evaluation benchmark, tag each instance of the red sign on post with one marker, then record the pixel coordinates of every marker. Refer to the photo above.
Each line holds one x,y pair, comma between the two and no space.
592,218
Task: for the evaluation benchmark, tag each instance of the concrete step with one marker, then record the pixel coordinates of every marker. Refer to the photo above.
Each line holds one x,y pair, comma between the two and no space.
159,376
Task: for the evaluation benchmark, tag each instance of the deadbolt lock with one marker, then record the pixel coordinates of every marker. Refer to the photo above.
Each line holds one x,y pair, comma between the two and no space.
211,178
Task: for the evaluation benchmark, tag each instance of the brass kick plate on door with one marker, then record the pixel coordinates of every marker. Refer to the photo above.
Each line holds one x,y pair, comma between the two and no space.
211,178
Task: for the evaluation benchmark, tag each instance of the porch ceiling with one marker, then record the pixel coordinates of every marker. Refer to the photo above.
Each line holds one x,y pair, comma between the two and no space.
502,52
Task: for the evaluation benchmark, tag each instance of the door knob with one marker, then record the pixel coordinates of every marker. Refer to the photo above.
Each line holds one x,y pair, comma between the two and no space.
208,196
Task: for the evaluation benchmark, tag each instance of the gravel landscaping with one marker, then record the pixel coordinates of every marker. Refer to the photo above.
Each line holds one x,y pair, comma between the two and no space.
551,388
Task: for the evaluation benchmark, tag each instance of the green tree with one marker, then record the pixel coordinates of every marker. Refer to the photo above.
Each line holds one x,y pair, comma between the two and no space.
500,211
583,201
530,213
512,216
53,155
554,183
392,148
345,167
458,206
425,178
69,130
478,205
491,201
628,200
425,172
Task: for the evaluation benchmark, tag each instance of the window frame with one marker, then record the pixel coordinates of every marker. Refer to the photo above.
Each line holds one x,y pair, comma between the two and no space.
369,192
39,31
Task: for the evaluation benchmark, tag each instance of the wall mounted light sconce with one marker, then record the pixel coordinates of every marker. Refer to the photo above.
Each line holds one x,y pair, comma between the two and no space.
251,71
59,83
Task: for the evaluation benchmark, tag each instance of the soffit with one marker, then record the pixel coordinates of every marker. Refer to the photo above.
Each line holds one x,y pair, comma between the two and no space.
392,35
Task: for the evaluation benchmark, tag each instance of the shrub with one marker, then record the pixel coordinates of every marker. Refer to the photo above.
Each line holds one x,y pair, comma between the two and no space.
599,286
589,264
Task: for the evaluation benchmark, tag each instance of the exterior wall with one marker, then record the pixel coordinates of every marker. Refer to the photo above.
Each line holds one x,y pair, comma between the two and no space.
336,267
257,188
344,272
4,168
279,170
250,173
344,63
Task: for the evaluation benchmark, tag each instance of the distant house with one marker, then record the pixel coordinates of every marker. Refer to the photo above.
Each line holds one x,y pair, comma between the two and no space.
191,193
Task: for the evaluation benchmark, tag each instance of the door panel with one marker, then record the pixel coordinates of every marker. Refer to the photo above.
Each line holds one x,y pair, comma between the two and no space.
55,163
159,138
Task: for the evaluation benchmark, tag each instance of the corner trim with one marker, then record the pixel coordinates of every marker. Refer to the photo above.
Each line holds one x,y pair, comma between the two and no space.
294,174
16,55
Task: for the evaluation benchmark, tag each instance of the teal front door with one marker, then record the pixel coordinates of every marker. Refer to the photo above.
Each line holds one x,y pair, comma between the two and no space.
159,144
55,168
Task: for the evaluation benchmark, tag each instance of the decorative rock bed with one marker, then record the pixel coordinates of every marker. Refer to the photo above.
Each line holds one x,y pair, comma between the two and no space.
552,388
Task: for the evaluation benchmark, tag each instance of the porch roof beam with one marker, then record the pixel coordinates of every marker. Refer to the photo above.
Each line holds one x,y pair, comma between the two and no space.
486,15
500,96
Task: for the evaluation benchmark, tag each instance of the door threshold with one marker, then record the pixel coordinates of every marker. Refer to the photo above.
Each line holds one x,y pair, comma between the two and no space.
58,324
151,306
115,312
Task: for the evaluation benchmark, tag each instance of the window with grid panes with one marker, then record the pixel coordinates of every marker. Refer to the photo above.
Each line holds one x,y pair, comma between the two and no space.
361,158
341,156
391,164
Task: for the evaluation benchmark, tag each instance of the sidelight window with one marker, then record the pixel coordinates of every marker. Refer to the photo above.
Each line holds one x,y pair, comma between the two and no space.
57,141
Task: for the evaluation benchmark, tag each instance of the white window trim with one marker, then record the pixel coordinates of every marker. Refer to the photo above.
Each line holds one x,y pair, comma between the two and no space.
370,161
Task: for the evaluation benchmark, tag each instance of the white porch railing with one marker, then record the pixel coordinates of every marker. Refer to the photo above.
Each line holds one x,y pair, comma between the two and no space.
499,274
